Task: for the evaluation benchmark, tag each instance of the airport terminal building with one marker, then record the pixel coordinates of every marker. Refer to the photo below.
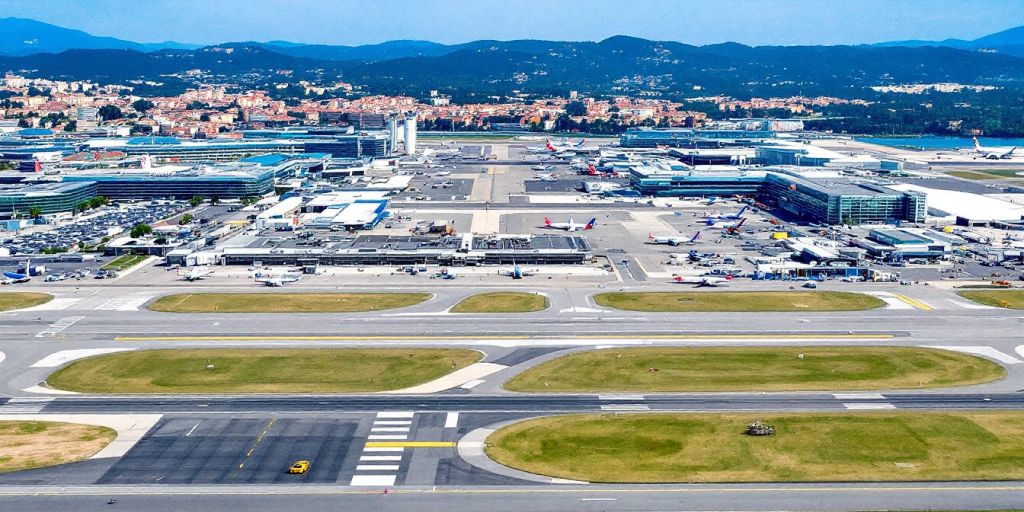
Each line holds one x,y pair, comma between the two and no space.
49,197
817,196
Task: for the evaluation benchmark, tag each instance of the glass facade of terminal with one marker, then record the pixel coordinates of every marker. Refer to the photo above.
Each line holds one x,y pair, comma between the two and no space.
839,203
847,204
686,137
48,197
224,186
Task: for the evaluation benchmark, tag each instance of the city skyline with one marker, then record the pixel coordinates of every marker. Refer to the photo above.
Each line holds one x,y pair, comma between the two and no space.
800,22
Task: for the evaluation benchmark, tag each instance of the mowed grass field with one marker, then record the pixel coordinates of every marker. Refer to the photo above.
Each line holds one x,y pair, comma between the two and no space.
1011,299
661,448
986,174
34,444
259,370
21,300
502,302
738,301
691,369
285,302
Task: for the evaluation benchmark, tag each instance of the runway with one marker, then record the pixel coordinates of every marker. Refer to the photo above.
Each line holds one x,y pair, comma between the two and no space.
231,451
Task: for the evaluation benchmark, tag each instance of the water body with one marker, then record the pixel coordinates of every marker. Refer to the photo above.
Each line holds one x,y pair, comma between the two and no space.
934,142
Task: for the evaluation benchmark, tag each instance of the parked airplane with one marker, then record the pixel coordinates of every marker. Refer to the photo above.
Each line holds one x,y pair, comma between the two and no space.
673,240
195,274
276,280
700,281
994,153
569,226
517,272
17,278
546,177
731,216
726,225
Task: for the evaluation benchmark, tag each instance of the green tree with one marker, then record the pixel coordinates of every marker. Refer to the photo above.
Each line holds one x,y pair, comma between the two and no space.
575,108
196,201
141,230
71,126
35,212
185,219
110,112
142,105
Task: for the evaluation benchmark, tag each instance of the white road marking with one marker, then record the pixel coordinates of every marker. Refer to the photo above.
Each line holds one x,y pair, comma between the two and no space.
869,406
123,304
373,480
57,304
384,449
1020,350
377,467
625,407
191,430
387,437
620,397
392,422
858,396
968,305
395,414
891,301
980,350
380,458
59,326
451,420
64,356
472,384
389,429
25,405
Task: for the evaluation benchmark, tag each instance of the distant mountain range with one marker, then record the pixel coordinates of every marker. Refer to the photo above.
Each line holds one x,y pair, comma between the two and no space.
1009,42
617,65
19,36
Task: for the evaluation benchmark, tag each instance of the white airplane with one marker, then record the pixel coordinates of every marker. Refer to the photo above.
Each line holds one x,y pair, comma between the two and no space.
569,226
994,153
731,216
517,272
276,280
195,274
731,226
673,240
700,281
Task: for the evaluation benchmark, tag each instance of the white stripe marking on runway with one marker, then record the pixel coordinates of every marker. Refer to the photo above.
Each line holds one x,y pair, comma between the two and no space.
377,467
980,350
451,420
373,480
869,406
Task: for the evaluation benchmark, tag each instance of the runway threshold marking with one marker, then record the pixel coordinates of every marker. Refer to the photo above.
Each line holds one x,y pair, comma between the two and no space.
410,444
485,338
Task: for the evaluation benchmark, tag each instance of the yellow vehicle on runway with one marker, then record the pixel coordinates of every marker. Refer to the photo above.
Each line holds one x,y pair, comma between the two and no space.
299,468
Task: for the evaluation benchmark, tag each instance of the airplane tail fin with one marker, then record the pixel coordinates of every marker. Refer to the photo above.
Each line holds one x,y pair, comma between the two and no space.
728,277
591,224
592,169
547,221
695,236
977,145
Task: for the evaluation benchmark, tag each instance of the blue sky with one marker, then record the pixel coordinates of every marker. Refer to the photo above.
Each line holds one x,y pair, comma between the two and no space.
753,22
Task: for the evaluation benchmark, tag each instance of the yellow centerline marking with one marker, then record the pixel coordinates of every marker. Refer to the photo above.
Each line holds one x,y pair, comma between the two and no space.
410,444
508,337
914,302
259,439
